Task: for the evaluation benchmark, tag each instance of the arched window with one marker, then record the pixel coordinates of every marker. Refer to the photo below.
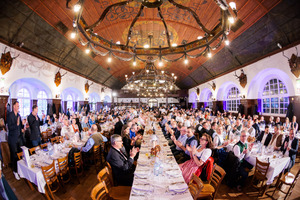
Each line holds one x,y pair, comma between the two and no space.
275,97
209,102
69,102
233,99
24,101
42,103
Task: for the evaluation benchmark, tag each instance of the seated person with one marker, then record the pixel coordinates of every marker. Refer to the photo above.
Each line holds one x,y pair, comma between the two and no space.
212,132
67,130
265,136
85,123
237,127
75,126
290,148
126,138
198,158
219,138
95,138
251,130
241,150
191,141
122,165
182,139
276,140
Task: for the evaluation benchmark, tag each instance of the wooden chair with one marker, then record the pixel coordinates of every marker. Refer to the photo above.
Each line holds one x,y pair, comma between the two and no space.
85,129
49,132
44,146
44,136
100,192
109,167
64,169
78,164
298,156
118,192
97,157
58,131
285,181
54,140
20,155
33,149
5,152
195,186
51,178
210,190
61,139
260,176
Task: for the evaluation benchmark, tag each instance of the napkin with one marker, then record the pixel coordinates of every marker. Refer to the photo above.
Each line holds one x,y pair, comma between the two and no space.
174,173
141,174
143,162
142,188
178,188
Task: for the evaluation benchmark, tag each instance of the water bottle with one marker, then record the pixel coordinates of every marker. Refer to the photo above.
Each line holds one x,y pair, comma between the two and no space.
156,167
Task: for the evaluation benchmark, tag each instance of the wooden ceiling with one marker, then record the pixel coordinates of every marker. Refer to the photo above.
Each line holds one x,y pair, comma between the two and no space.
180,23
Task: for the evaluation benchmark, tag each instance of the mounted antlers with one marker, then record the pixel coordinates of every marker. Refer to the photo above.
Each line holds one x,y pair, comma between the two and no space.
213,85
294,63
57,78
6,61
87,86
242,78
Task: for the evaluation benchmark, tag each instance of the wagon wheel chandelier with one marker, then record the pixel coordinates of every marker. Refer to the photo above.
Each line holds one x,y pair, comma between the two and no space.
211,40
150,82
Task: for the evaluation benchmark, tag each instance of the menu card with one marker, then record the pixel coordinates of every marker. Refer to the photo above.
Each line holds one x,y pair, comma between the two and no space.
26,156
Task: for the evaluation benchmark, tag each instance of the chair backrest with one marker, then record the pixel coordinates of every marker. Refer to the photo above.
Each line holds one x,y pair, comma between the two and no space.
44,146
63,164
195,186
104,175
33,149
44,136
261,169
49,132
109,168
60,139
216,178
100,192
96,151
85,129
54,140
49,173
77,159
294,182
20,155
58,131
5,152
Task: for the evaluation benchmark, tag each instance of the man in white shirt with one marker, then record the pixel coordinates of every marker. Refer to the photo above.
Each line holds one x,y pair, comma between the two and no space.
67,130
241,150
265,136
251,130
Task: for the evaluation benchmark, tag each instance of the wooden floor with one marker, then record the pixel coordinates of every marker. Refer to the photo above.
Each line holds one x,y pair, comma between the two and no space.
88,181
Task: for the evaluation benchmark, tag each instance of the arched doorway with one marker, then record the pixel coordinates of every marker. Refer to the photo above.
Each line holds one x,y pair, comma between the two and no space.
153,103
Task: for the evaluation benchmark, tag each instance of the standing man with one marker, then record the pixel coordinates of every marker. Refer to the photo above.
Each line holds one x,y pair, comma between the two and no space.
290,148
15,137
34,124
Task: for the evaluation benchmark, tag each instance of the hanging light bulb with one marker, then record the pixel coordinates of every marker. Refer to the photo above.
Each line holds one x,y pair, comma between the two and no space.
73,35
231,20
162,72
232,5
226,40
199,37
146,46
87,50
160,63
109,59
77,7
147,70
134,63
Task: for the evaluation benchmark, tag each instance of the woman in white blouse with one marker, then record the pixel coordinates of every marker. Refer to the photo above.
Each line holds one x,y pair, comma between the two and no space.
219,138
287,124
199,156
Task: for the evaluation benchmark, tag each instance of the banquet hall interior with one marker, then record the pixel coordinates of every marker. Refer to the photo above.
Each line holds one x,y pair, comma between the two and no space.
149,99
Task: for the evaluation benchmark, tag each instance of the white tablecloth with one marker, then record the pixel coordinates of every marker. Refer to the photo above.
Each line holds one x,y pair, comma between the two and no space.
158,184
277,165
35,175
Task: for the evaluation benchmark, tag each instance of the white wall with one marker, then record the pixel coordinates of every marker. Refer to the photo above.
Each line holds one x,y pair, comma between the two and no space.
36,74
275,66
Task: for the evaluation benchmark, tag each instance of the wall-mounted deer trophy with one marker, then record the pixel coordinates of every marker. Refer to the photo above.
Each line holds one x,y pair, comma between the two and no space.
87,86
294,63
213,86
242,78
57,78
198,91
6,61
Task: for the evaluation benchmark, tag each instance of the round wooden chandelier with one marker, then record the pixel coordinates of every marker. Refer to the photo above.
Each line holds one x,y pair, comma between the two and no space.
211,40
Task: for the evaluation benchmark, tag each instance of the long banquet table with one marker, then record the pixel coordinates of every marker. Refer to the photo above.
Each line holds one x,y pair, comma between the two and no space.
41,158
169,184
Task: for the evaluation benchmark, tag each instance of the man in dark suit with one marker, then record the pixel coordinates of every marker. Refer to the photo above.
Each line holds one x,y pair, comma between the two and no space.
290,148
122,165
256,127
15,136
118,126
34,124
265,136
